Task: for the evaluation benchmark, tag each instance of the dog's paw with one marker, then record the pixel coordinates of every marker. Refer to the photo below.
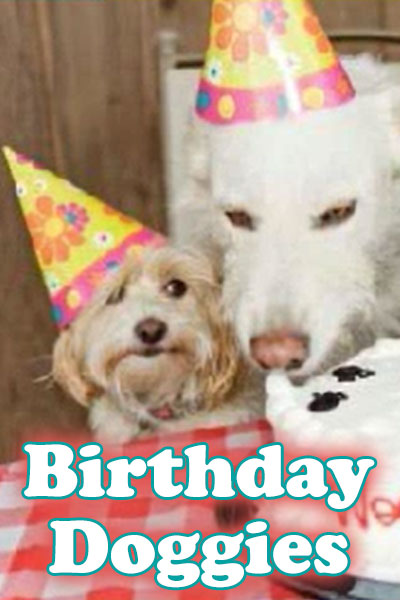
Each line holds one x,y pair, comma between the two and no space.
110,425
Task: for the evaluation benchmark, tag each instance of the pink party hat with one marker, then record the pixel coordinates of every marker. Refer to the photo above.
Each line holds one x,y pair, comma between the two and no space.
268,59
78,240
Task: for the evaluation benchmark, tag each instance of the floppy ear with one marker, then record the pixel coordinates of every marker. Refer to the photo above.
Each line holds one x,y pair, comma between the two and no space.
222,368
66,371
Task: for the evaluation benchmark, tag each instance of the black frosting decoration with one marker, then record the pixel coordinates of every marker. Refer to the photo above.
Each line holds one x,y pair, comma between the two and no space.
326,402
352,373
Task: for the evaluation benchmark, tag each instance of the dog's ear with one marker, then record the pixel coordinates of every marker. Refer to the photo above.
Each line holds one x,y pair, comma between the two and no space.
222,367
66,370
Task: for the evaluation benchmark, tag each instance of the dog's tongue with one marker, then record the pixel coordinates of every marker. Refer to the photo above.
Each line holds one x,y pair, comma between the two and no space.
163,413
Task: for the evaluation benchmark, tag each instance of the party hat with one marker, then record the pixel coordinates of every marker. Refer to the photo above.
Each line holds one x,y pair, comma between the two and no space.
268,59
78,240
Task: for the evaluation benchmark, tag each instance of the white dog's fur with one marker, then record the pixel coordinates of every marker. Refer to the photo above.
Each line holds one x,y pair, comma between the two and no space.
340,286
193,374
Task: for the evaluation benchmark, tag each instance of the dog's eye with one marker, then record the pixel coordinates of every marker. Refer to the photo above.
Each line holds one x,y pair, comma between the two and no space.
240,219
336,215
116,297
176,288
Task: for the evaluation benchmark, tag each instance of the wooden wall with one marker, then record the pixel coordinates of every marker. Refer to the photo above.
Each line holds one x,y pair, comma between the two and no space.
79,91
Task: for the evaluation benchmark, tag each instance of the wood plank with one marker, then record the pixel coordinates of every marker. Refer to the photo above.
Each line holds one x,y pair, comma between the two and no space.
351,14
392,23
26,330
190,20
105,78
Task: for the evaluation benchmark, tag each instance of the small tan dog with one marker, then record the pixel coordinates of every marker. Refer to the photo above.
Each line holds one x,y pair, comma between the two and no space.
152,350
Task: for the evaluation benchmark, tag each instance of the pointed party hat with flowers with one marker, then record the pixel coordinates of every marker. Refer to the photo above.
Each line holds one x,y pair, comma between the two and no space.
78,240
268,59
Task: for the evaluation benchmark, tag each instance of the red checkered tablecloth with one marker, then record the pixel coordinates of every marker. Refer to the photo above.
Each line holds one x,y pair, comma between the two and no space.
26,541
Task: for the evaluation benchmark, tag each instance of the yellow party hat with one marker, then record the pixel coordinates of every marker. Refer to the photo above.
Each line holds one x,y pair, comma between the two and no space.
268,59
78,240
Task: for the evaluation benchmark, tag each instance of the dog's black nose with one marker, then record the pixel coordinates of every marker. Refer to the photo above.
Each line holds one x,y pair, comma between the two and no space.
151,331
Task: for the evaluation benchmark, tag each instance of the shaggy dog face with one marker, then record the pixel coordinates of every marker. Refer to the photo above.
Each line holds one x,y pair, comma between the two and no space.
304,213
152,342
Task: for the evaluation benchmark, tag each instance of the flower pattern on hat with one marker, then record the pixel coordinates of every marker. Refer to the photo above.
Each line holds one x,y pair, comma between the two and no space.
268,59
20,189
103,239
53,235
52,282
215,70
313,27
40,185
241,28
74,215
274,16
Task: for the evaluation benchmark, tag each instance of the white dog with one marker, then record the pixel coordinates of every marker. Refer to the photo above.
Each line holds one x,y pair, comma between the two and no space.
305,213
152,351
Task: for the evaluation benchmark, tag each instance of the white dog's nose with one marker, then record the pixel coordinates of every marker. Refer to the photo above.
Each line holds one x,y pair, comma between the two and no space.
151,331
280,350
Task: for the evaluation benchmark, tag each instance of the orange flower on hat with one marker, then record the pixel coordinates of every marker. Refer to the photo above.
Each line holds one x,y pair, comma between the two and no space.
239,26
343,86
52,234
313,28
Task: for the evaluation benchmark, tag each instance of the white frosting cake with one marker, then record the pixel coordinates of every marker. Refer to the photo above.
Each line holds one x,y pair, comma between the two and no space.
355,404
